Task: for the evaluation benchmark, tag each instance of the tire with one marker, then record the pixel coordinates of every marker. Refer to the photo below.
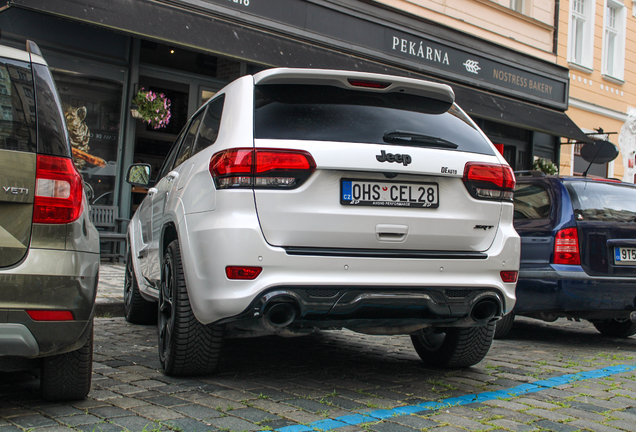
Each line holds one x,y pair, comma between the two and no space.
504,326
67,376
137,310
454,347
186,347
615,328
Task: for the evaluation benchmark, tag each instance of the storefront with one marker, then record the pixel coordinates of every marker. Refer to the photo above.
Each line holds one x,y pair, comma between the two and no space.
104,52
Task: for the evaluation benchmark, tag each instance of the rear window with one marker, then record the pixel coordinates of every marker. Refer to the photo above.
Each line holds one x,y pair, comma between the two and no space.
17,107
531,202
607,202
326,113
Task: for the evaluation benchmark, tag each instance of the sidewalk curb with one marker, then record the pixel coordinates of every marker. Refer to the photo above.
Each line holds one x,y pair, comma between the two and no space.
109,308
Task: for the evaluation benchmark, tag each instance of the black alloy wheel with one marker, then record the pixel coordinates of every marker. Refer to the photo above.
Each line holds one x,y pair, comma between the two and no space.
186,347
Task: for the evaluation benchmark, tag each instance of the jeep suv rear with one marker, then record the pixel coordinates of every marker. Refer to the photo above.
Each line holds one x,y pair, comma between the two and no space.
300,199
49,249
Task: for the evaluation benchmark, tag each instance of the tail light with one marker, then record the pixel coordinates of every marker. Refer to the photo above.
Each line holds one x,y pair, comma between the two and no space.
509,276
261,168
242,273
50,315
58,191
489,181
566,247
369,84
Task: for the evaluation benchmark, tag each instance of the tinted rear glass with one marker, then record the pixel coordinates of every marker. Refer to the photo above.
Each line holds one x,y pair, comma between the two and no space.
597,201
325,113
52,132
531,202
17,107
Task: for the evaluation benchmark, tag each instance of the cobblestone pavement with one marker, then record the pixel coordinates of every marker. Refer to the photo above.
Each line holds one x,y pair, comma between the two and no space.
342,381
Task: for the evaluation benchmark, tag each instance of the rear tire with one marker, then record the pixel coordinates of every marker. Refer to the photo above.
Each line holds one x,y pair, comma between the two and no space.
503,327
454,347
137,310
67,376
186,347
615,328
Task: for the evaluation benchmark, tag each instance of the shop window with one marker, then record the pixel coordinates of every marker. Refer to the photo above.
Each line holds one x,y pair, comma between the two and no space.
614,40
92,109
581,37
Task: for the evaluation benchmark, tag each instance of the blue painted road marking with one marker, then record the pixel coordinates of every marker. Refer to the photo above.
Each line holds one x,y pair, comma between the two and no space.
378,415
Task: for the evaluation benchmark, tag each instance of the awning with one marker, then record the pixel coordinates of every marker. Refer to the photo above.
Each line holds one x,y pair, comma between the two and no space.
504,110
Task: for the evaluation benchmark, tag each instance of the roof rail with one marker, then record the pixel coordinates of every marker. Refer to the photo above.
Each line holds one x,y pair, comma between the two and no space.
529,173
33,48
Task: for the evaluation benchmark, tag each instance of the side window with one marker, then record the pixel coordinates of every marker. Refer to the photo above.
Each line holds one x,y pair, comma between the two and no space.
211,124
52,131
531,202
168,163
17,107
188,140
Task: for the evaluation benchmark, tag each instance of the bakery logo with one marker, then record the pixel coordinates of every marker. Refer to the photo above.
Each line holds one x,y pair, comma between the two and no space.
472,66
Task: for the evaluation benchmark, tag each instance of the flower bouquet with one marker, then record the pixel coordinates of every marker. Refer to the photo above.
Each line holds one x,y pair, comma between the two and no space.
151,107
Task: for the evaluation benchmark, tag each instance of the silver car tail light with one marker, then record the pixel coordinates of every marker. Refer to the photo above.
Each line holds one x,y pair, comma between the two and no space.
261,168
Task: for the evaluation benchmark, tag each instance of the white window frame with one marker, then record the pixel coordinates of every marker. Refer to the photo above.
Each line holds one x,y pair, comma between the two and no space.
586,20
614,68
518,5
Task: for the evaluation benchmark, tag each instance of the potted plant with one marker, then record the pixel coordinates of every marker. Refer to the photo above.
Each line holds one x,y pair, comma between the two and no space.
151,107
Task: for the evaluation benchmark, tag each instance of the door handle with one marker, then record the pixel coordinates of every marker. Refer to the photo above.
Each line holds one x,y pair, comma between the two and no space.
172,176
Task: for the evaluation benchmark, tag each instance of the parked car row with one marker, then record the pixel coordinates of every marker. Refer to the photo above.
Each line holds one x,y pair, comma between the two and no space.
298,200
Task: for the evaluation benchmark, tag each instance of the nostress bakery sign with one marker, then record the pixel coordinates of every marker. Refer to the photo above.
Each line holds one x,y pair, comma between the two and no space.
474,67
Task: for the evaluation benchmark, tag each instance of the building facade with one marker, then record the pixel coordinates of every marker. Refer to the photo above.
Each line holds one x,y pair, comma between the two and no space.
500,57
597,42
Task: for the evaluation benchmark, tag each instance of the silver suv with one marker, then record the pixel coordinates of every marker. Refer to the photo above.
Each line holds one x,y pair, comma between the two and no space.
301,199
49,249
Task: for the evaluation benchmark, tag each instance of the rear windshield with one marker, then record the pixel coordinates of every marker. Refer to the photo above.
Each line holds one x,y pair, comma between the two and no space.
597,201
17,107
326,113
531,202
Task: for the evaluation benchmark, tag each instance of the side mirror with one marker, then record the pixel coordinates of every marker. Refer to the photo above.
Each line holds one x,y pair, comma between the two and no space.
138,175
90,192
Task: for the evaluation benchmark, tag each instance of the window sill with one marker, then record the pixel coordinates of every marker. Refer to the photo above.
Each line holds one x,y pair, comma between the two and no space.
580,68
612,79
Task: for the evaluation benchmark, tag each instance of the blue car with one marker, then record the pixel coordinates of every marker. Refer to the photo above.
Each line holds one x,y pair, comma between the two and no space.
578,252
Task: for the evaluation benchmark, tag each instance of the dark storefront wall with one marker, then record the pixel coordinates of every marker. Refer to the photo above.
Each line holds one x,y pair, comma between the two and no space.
341,34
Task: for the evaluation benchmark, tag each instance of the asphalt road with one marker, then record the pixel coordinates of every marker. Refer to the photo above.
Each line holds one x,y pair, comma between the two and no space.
562,376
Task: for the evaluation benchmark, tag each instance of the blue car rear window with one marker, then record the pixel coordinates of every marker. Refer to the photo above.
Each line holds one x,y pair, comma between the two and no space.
598,201
531,202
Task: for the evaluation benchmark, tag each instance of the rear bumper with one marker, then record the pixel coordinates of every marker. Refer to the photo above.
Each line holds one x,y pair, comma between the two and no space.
210,242
47,280
565,290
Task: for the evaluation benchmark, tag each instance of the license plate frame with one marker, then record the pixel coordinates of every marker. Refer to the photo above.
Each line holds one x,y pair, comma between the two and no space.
630,255
409,194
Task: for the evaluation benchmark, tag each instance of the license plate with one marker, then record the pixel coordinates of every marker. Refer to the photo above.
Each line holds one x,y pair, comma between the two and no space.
624,255
389,194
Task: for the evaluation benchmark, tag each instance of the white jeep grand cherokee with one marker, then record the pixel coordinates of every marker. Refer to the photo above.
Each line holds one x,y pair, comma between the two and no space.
303,199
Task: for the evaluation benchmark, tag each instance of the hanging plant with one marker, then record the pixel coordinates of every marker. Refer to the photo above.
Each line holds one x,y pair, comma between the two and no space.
151,107
545,165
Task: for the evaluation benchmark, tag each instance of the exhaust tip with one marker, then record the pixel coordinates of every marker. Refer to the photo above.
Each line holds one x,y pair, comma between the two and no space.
280,314
484,310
